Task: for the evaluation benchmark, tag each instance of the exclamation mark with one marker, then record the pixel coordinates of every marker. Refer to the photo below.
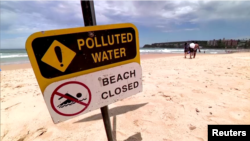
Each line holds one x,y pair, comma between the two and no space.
58,52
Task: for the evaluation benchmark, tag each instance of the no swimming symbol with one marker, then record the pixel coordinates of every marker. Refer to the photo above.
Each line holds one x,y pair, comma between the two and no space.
70,98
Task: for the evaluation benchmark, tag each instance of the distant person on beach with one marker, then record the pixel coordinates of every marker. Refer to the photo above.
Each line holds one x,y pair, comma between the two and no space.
191,50
186,49
195,49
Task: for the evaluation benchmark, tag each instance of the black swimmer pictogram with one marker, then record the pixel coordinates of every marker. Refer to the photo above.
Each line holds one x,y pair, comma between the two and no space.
70,102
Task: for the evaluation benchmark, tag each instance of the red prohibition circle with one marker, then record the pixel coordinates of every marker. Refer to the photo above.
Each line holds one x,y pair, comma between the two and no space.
56,91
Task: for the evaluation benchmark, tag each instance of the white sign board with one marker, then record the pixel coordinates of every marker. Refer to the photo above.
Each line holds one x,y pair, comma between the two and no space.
69,98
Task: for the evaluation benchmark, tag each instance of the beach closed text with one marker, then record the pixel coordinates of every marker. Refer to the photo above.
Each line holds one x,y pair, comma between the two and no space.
115,79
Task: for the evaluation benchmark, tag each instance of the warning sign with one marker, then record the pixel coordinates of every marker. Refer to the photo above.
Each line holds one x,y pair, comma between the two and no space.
72,97
69,102
58,56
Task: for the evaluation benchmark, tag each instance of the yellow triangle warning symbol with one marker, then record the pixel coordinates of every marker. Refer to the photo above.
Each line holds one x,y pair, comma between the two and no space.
58,56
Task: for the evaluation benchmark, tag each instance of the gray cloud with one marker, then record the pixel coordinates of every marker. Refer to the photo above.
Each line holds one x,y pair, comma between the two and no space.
26,17
169,13
44,15
222,10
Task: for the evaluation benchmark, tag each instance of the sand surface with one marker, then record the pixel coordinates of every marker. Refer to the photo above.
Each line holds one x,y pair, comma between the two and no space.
180,98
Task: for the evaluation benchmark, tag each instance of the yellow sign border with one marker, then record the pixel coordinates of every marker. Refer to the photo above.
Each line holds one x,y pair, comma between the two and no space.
44,82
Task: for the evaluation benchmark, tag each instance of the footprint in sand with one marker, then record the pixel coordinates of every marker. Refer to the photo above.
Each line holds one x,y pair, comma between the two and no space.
19,86
5,133
40,131
136,122
31,136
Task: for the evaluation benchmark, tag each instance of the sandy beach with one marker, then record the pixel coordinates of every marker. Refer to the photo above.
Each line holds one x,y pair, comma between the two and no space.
180,98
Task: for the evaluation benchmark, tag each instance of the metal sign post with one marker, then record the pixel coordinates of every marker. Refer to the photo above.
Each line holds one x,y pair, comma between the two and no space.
88,12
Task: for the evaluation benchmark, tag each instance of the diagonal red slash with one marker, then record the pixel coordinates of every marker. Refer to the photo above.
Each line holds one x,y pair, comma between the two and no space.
70,98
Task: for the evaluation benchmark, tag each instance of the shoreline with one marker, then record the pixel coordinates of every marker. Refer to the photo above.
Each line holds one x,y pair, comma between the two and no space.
6,67
28,65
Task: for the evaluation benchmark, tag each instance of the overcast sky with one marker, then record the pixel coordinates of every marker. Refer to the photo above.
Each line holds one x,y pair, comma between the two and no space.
157,21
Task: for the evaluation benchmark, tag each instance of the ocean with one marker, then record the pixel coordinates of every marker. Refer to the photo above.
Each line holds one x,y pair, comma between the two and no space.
18,56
